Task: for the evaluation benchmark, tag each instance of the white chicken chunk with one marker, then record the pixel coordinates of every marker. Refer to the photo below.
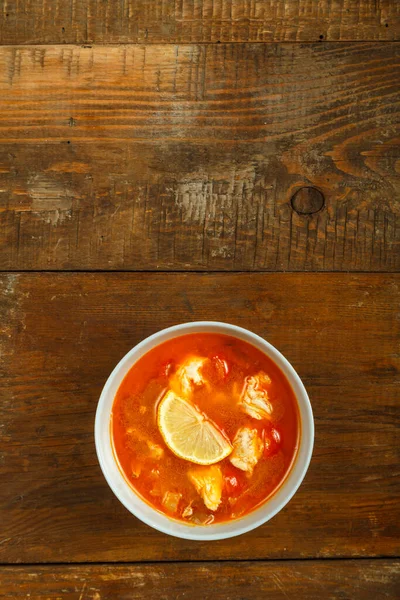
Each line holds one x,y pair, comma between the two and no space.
208,482
247,449
254,399
189,374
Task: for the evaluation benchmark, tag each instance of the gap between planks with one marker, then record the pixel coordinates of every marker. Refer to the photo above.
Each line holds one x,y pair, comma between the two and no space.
306,559
190,272
201,43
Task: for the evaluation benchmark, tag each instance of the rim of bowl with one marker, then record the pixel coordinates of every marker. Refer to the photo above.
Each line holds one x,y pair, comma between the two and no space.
151,516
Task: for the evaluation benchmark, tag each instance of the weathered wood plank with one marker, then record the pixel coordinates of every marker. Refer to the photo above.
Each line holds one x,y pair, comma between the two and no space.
63,333
308,580
126,21
181,158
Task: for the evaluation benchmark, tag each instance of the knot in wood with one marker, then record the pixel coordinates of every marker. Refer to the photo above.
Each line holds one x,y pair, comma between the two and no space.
307,201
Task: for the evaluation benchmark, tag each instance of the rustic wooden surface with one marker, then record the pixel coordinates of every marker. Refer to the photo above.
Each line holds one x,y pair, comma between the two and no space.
187,157
63,334
126,21
213,139
310,580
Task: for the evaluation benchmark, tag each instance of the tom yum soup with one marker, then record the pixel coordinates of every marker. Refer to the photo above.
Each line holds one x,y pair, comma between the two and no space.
205,428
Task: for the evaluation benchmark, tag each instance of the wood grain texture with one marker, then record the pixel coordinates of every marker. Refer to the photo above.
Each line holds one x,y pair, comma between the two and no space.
126,21
186,157
62,334
311,580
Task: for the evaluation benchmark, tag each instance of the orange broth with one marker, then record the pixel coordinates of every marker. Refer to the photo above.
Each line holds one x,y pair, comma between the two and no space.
135,431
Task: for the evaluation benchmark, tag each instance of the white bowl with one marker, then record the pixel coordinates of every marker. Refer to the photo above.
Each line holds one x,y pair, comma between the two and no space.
144,511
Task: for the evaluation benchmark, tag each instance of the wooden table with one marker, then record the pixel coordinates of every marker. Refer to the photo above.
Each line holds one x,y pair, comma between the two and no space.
172,160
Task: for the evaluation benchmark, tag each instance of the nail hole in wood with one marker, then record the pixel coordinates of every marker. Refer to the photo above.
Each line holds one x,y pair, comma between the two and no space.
307,201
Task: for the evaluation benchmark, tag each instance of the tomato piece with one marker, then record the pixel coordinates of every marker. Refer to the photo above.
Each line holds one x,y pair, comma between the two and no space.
166,368
221,366
272,441
231,484
233,479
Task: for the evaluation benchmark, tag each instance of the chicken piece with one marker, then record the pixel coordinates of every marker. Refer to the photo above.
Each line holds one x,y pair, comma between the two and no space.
208,483
254,399
247,449
170,501
155,451
189,375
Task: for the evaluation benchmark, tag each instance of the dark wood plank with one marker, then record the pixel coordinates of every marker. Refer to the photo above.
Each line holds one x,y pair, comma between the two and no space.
181,158
115,21
308,580
63,333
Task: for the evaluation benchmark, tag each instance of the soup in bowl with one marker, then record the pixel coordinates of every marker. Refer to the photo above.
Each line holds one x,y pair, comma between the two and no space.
204,430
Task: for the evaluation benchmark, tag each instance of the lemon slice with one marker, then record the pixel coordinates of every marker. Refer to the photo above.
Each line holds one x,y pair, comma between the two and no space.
188,433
